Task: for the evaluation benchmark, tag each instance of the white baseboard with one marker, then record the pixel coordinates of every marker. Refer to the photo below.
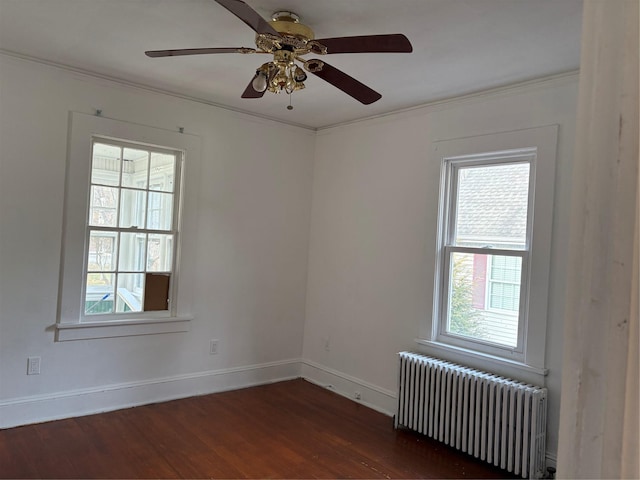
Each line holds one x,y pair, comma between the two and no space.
372,396
552,460
75,403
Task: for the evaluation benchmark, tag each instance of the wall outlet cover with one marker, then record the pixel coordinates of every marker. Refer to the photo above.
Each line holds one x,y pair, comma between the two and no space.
33,366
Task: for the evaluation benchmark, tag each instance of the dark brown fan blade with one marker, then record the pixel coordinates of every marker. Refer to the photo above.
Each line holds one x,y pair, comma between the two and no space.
248,15
392,43
347,84
195,51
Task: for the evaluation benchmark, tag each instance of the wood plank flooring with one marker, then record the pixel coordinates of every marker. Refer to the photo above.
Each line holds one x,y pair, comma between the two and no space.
290,429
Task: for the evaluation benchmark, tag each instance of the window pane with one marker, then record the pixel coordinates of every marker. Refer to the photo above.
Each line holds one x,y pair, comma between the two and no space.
129,296
504,284
132,208
134,168
103,211
132,252
156,291
105,165
506,269
492,206
470,313
159,252
99,296
162,172
102,251
504,296
160,211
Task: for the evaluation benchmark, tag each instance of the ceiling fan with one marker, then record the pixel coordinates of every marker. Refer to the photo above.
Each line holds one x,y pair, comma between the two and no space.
288,40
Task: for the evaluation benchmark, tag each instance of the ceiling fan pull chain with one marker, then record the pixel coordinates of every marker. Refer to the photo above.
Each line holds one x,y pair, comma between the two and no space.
290,107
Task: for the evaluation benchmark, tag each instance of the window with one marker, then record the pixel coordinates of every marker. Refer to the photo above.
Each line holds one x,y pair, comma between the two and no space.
486,249
131,224
126,221
493,247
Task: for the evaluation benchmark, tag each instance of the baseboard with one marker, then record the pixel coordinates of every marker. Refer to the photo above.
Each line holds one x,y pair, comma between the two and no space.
372,396
75,403
552,460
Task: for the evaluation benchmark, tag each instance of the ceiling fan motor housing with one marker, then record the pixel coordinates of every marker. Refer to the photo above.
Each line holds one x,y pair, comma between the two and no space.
293,36
288,23
294,39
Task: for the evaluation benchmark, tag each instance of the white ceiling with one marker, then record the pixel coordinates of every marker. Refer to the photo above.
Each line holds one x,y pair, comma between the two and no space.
460,47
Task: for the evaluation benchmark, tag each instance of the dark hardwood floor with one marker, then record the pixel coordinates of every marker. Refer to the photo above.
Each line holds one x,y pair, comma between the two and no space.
285,430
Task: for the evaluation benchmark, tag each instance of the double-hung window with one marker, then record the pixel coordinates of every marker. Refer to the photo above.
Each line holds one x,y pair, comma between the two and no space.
494,240
485,251
126,221
131,224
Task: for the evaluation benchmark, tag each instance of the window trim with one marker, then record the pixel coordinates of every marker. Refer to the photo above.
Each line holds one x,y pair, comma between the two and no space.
544,141
83,129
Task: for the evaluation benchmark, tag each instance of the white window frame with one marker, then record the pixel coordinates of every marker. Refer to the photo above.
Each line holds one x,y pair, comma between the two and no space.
530,353
142,230
72,324
447,247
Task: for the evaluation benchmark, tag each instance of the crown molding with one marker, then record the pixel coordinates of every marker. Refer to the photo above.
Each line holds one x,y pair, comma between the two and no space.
562,78
148,88
549,81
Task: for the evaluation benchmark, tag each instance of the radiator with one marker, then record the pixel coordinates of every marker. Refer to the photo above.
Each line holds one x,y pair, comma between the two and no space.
498,420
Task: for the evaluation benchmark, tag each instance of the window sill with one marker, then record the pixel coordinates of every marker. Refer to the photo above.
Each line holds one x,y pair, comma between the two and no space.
122,328
488,360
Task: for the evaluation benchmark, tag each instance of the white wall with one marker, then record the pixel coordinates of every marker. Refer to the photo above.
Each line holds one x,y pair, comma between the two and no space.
252,249
373,235
367,190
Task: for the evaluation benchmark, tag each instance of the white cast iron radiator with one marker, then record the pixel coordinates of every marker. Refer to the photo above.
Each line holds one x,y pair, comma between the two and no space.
498,420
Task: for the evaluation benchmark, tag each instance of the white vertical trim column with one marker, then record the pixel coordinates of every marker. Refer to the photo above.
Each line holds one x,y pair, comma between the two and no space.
631,440
600,368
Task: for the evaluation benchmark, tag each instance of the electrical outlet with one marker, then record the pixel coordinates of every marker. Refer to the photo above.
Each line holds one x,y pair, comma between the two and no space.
33,366
213,347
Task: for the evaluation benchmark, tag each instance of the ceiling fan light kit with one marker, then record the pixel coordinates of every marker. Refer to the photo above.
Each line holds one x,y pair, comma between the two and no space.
288,41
